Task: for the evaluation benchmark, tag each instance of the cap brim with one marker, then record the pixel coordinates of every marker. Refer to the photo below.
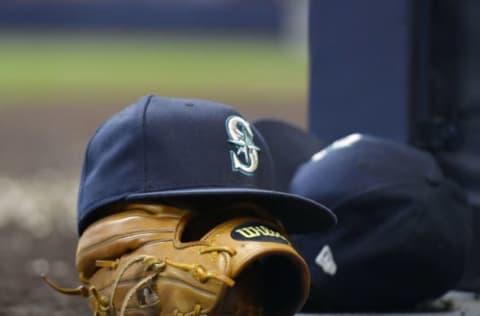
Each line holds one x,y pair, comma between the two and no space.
297,213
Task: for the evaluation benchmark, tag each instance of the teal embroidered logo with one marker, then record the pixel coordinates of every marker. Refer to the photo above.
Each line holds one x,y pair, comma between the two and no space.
245,156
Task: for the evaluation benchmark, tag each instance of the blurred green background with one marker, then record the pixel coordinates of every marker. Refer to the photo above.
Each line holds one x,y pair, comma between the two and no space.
88,69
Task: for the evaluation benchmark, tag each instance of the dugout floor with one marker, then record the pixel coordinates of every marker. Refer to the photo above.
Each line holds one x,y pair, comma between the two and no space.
461,303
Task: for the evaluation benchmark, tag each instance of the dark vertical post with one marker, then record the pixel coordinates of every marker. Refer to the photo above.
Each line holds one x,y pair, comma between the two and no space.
435,74
360,63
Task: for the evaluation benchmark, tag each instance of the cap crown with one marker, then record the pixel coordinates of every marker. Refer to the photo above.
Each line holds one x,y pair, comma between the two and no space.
163,144
360,163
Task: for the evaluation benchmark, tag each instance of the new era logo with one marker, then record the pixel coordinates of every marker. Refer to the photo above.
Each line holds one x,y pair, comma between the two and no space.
325,261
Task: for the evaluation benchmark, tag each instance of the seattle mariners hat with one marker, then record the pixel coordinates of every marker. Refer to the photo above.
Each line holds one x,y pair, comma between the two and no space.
403,229
186,153
290,146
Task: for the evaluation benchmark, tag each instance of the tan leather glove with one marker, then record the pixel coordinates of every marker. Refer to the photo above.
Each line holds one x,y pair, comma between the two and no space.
158,260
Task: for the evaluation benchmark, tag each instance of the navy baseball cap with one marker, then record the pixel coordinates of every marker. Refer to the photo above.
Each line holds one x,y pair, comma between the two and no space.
290,146
186,153
403,230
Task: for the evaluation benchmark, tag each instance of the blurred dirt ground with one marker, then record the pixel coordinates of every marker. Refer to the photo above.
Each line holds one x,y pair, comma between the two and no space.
40,160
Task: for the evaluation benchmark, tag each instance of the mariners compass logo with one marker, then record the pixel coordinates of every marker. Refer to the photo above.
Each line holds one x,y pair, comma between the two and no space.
245,156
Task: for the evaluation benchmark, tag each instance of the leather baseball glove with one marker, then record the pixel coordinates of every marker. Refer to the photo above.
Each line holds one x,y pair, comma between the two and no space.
159,260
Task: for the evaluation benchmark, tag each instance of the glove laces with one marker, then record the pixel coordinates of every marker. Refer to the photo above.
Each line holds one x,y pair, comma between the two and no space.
106,307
